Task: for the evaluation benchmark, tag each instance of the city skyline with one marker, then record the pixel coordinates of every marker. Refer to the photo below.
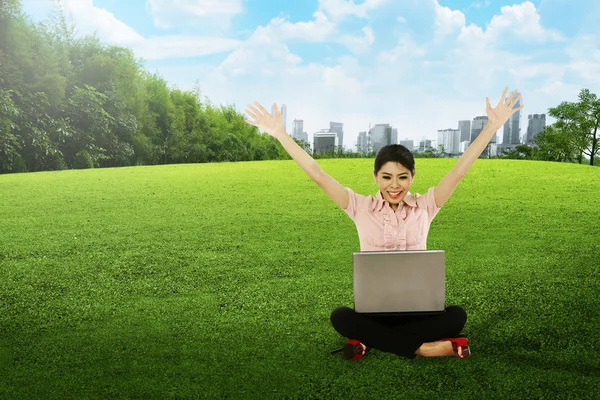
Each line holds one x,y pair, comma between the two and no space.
514,123
419,66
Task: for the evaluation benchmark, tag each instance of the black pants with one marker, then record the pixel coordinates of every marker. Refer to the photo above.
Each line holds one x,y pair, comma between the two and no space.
401,335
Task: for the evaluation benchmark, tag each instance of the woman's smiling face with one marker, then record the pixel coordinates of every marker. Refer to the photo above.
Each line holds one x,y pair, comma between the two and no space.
393,178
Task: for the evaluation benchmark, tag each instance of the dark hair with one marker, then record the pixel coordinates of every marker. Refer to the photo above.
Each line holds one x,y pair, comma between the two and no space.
395,153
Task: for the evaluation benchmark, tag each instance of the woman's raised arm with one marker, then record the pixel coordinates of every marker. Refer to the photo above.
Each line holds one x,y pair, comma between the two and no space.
273,125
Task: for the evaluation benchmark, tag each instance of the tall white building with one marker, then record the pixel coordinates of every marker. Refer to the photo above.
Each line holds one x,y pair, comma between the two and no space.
450,140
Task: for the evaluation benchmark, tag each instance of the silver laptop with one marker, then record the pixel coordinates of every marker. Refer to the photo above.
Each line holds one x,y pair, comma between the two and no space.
409,282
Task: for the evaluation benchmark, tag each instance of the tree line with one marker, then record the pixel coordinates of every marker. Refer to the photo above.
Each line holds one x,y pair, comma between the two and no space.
68,102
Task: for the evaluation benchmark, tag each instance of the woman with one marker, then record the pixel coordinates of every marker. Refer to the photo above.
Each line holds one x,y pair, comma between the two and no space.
395,219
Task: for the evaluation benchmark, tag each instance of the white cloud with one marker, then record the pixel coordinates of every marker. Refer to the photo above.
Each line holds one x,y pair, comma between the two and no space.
338,9
180,46
520,20
359,44
447,20
478,4
197,7
405,49
479,56
523,21
263,49
318,30
169,13
585,58
90,19
266,48
338,81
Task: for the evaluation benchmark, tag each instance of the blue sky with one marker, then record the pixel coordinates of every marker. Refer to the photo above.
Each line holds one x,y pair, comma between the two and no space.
420,65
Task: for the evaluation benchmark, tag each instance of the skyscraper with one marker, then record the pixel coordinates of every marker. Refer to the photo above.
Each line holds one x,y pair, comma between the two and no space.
515,125
283,111
536,124
284,116
476,127
465,130
298,128
363,142
338,128
506,133
448,139
381,135
511,134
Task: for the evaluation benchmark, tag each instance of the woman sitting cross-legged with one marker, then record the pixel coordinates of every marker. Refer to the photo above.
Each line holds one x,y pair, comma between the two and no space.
394,219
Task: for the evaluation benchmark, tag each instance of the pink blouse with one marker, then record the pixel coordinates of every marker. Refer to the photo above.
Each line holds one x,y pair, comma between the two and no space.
381,229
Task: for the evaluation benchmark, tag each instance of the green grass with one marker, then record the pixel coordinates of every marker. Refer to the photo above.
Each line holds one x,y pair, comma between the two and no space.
217,281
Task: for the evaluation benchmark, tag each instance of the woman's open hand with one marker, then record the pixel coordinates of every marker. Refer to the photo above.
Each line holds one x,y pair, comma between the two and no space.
264,121
499,115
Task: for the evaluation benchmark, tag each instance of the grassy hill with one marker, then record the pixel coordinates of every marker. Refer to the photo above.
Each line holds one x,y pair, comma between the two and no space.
217,281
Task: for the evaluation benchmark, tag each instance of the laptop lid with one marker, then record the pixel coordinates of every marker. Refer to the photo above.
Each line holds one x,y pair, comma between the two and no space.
399,282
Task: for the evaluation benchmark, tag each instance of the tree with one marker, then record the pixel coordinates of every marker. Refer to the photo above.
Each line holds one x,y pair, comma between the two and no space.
555,144
303,144
9,143
579,120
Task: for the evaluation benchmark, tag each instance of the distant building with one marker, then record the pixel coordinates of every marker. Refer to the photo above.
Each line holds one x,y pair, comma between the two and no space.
363,142
381,135
511,134
325,140
536,125
425,145
515,125
465,130
338,128
449,139
464,145
408,143
298,132
298,127
284,116
476,127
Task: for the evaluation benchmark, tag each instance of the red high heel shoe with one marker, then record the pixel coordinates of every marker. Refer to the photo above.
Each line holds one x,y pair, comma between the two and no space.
353,350
460,345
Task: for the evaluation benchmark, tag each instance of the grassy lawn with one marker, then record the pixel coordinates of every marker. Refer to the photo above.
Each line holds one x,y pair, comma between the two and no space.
217,281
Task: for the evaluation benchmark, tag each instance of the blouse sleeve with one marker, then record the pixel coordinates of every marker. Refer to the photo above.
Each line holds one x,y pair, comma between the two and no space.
427,203
354,201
